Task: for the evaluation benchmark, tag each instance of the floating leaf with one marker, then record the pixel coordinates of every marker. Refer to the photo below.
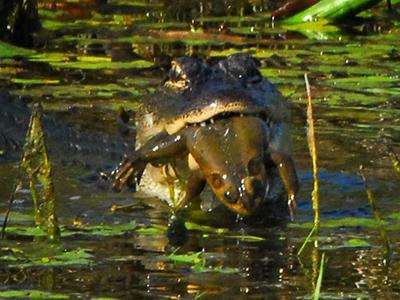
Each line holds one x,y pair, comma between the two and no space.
32,81
74,257
31,294
102,64
151,230
356,243
186,258
97,230
200,268
348,222
7,50
100,230
246,238
25,231
204,228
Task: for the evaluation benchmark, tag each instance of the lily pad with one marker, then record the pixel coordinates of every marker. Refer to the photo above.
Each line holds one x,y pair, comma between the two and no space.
204,228
200,268
357,243
68,258
97,230
186,258
348,222
7,50
33,81
100,230
31,294
199,263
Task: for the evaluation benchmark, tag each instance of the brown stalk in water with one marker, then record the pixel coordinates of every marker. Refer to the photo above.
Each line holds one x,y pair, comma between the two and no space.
312,145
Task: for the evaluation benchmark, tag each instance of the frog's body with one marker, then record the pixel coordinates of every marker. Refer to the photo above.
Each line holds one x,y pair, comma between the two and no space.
223,125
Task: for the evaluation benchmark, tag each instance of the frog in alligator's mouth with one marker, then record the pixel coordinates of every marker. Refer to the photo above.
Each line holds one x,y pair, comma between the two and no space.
223,125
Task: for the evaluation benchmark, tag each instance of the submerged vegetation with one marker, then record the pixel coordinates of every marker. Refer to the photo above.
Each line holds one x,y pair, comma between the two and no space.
36,164
92,57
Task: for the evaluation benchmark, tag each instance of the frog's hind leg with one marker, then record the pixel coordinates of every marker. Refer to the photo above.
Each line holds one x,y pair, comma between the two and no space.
288,174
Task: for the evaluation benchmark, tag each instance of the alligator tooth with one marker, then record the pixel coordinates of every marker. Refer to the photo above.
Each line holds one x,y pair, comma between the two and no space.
203,124
241,115
212,120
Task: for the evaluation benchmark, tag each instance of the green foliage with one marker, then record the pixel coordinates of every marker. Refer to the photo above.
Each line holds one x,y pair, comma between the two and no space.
36,165
193,258
100,230
37,294
356,243
32,81
307,239
205,228
332,10
320,276
199,263
8,50
31,294
350,222
47,257
89,231
155,230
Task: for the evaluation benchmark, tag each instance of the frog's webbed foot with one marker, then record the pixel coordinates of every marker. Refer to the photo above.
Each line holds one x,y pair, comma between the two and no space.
288,175
128,170
160,147
194,187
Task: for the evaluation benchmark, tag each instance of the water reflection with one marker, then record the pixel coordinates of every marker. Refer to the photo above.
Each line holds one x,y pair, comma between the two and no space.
355,88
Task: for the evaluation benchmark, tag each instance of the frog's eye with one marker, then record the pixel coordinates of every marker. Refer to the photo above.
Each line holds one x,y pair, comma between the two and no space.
216,181
255,166
231,195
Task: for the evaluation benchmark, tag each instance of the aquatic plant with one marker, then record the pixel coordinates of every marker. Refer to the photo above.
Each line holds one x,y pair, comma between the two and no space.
35,163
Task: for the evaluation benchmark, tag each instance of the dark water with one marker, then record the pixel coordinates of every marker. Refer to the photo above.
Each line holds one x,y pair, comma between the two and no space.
95,56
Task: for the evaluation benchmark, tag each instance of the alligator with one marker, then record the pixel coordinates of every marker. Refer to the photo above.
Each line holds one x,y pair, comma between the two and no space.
223,126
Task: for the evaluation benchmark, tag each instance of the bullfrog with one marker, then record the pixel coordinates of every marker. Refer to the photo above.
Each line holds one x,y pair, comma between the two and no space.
223,126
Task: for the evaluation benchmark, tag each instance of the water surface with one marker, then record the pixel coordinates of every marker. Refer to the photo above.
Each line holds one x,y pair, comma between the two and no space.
95,56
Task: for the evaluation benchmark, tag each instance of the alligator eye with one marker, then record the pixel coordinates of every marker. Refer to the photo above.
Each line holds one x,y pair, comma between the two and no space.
175,73
254,166
216,181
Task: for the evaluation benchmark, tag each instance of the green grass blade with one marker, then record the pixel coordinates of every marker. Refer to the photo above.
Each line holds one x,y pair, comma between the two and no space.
307,240
320,276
